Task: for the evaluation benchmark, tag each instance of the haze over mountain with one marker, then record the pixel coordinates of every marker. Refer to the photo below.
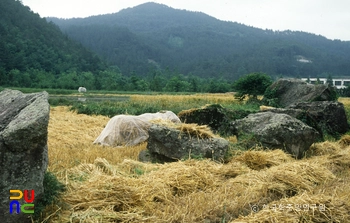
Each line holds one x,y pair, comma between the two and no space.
155,36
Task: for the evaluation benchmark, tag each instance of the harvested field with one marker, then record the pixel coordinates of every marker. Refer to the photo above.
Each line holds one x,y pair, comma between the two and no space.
109,184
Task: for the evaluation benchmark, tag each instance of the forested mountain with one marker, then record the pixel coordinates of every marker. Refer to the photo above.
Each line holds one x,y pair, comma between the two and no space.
155,36
35,53
153,47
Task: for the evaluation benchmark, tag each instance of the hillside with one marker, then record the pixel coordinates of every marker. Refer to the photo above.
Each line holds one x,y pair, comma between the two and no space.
152,36
35,53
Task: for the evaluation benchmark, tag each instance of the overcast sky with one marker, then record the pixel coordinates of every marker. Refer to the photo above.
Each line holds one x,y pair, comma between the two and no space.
329,18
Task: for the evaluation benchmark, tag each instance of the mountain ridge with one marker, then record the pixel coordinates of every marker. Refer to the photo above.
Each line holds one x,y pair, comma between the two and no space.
196,43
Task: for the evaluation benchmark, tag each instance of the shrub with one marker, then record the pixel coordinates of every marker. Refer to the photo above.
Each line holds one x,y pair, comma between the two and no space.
252,85
271,97
52,189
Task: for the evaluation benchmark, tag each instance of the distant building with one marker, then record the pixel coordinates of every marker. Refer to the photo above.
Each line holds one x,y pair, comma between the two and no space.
339,83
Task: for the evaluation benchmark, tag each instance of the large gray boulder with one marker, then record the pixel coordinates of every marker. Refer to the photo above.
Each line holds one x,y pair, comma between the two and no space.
214,115
211,115
23,147
169,144
286,92
275,131
329,116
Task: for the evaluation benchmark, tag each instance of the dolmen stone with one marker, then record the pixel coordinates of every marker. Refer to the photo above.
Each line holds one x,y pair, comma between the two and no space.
166,144
275,131
288,91
24,121
329,116
214,115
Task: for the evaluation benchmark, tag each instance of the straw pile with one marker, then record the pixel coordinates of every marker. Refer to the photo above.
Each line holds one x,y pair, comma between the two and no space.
258,160
191,129
335,156
200,131
182,191
112,194
344,141
112,186
265,108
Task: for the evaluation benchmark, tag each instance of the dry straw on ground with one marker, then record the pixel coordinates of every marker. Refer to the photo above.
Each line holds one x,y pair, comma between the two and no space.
258,159
193,130
110,185
171,99
70,138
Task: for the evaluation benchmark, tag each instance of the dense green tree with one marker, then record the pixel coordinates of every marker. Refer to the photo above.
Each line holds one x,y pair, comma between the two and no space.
87,80
68,80
108,80
194,83
14,77
177,84
42,79
142,85
134,81
157,81
218,86
251,85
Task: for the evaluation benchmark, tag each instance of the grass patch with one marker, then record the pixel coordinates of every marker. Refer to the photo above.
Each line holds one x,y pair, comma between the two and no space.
139,104
52,190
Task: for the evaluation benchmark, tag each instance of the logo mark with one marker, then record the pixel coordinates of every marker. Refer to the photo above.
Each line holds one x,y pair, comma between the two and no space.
255,208
16,195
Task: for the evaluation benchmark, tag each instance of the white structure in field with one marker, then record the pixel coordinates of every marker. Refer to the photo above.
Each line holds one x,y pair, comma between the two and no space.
339,83
82,89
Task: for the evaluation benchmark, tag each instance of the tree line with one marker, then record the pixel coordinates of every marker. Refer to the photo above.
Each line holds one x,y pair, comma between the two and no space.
113,80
